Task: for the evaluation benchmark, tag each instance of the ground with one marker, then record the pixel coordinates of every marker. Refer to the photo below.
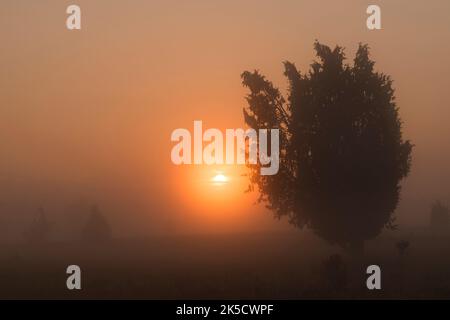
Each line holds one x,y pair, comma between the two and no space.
272,266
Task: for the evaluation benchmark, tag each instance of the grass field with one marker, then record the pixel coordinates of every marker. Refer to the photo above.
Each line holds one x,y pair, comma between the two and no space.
273,266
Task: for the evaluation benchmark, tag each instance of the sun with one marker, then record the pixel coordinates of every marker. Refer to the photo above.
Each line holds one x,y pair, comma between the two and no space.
219,179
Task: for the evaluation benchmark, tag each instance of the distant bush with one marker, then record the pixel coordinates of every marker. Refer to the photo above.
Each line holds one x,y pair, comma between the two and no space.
39,229
439,218
97,228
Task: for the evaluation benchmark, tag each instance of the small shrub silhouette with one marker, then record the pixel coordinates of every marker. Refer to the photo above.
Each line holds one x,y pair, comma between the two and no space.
97,228
335,273
39,229
402,246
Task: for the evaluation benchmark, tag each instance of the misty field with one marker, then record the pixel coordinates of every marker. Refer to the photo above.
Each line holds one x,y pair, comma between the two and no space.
272,266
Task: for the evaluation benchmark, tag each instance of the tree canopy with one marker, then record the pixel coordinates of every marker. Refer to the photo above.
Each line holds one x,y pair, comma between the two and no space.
342,155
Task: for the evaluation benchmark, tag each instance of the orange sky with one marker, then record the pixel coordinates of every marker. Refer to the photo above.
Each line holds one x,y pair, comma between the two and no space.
87,115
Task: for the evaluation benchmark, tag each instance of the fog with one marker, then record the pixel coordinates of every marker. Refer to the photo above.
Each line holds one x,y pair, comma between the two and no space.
86,117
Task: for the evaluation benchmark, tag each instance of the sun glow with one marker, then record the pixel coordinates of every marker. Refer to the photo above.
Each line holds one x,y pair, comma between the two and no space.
213,198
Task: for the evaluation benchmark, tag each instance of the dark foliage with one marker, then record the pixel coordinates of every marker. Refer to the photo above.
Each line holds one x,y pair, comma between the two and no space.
342,155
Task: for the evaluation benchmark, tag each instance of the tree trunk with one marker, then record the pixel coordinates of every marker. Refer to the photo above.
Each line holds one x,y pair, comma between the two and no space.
357,270
356,249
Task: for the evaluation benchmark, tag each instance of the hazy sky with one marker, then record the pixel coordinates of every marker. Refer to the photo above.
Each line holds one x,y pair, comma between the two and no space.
86,116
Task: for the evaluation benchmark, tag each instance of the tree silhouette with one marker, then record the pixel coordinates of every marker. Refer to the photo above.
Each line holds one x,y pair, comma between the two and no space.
39,228
440,217
97,228
342,155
